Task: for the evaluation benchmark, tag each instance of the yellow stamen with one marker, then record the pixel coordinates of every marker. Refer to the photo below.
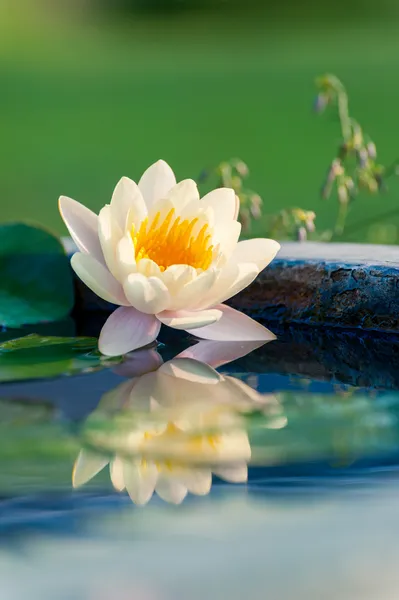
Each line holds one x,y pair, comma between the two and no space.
172,242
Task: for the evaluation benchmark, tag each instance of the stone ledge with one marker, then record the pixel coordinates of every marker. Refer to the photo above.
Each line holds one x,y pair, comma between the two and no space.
339,285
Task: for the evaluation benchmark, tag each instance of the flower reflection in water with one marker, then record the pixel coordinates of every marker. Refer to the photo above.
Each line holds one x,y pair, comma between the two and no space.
169,429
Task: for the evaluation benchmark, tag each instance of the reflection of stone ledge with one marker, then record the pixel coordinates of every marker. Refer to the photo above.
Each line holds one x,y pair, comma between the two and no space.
343,285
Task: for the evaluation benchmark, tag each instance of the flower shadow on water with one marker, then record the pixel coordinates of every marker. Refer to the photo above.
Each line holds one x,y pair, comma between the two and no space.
171,426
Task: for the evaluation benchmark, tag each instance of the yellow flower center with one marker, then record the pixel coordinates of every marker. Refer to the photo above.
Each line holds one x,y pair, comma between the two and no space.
172,242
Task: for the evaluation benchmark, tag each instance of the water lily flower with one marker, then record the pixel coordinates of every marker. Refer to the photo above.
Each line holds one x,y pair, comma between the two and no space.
166,256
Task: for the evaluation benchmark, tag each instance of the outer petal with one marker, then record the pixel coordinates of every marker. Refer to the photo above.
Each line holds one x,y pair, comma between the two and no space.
125,256
185,319
223,203
183,193
98,278
82,226
233,326
140,480
109,234
260,251
227,237
232,279
148,294
127,201
86,466
127,329
156,182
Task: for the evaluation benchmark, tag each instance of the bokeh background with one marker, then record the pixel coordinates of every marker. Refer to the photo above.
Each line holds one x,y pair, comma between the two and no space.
92,90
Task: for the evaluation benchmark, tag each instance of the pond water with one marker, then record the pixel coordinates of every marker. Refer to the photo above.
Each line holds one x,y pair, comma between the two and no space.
202,470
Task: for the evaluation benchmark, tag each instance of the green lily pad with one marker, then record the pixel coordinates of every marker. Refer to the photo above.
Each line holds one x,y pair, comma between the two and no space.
37,357
35,341
36,282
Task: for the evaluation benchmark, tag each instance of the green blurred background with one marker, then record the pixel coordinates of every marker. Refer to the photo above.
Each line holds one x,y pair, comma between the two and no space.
91,91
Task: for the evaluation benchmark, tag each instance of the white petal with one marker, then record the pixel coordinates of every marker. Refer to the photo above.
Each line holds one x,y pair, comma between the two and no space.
125,256
148,294
233,326
127,201
149,268
86,466
109,234
156,182
171,489
140,479
198,481
231,280
182,194
185,319
82,226
246,273
192,292
227,237
223,203
176,276
217,354
116,473
237,208
98,279
233,474
127,329
260,251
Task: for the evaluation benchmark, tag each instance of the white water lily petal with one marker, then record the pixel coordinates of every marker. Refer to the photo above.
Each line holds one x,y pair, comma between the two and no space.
149,268
237,208
125,256
246,273
227,238
109,234
82,226
171,489
127,200
148,294
233,474
190,294
116,474
140,478
198,481
260,251
176,276
233,326
127,329
97,277
183,193
156,182
232,279
185,319
223,203
86,466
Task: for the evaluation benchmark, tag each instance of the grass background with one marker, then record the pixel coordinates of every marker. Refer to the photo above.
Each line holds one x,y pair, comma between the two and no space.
88,96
